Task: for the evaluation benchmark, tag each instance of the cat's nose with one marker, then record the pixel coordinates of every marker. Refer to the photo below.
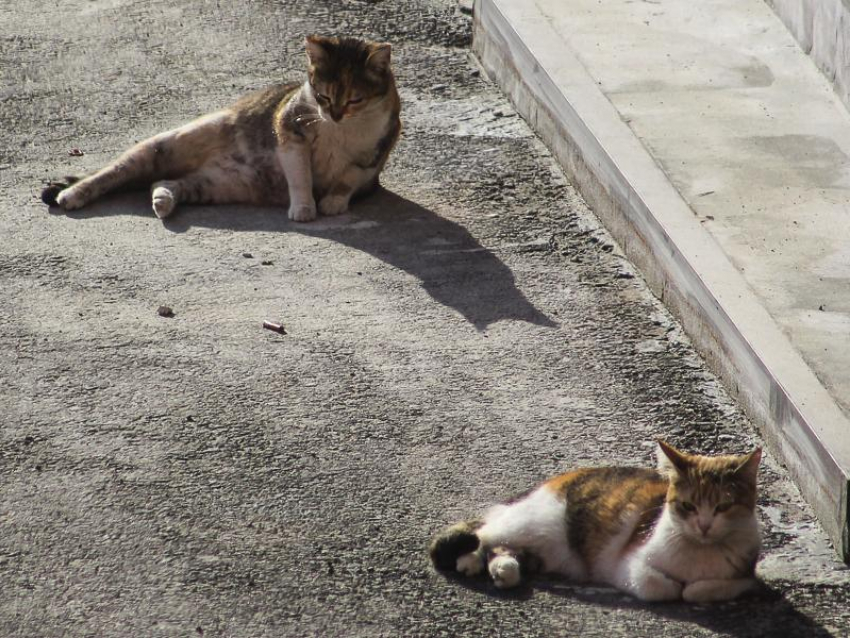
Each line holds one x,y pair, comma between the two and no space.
704,526
336,114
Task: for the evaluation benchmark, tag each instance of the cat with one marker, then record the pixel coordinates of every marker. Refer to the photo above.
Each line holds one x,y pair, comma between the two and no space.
687,530
324,141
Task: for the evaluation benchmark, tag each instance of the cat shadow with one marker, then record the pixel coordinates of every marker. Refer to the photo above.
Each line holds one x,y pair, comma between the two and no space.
451,265
765,612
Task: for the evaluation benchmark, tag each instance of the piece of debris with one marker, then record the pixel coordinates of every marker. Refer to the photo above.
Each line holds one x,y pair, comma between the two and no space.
274,327
820,307
75,152
267,262
165,311
247,255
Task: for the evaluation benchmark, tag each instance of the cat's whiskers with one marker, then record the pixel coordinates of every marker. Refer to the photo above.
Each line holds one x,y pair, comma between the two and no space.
310,119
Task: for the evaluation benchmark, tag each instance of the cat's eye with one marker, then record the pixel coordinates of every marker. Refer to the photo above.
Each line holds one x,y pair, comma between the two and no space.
324,97
688,506
355,100
723,507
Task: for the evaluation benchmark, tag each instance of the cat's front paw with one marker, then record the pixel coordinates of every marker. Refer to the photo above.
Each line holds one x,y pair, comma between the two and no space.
71,198
333,205
656,587
302,212
505,571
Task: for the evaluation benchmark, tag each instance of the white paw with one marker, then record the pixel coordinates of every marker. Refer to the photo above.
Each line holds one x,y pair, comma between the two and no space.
657,587
302,212
470,564
333,205
163,201
505,571
71,199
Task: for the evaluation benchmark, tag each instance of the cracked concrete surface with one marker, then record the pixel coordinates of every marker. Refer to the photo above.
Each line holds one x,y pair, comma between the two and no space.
461,335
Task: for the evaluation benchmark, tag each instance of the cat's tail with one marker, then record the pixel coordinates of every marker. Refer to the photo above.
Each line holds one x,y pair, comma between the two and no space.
49,193
452,543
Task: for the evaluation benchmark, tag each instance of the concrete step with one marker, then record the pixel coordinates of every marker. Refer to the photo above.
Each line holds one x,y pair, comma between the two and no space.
717,154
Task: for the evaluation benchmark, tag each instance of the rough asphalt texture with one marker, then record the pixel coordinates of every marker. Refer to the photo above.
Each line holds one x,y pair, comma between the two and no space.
460,336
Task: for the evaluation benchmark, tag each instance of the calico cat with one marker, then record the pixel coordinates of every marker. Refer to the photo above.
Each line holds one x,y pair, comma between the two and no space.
686,530
290,145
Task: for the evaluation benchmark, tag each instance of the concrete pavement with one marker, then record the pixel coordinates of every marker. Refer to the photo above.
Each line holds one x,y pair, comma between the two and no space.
456,338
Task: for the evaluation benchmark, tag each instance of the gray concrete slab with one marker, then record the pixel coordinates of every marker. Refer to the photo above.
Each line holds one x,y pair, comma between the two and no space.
458,337
699,133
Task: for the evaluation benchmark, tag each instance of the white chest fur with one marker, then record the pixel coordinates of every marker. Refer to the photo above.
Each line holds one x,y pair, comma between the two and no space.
688,561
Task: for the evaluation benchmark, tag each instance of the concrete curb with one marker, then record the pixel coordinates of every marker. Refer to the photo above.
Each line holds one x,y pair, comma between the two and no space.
800,422
820,28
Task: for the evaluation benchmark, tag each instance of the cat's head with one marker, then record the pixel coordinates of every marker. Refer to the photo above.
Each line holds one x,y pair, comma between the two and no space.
347,75
710,496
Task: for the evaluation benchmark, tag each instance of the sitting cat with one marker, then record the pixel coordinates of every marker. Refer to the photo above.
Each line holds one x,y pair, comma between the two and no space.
687,530
326,139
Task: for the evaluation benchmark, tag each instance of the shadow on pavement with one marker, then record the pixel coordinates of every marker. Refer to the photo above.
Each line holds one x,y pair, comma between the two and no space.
764,613
453,267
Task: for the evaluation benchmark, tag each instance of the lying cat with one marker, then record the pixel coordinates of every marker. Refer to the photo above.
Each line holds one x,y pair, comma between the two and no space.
687,530
327,139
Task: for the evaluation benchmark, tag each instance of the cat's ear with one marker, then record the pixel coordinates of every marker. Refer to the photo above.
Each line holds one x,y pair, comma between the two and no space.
379,57
316,51
670,459
749,466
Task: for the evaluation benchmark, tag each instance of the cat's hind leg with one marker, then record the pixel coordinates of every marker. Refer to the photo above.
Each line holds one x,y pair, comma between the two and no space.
219,183
165,196
504,567
176,152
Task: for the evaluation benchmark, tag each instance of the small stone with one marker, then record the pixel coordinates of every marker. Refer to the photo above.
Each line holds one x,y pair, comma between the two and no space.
165,311
247,255
266,262
75,152
821,307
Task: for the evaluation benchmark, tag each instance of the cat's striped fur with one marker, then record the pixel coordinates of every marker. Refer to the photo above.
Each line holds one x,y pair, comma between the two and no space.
292,145
686,530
